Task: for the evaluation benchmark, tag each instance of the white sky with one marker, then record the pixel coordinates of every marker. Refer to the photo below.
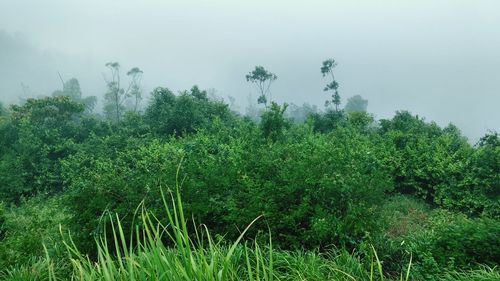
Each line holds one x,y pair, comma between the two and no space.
439,59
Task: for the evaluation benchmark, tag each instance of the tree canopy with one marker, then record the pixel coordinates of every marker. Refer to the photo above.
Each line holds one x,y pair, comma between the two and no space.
263,80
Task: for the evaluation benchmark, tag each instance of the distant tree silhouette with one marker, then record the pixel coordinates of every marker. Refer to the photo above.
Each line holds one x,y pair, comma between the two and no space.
263,80
327,70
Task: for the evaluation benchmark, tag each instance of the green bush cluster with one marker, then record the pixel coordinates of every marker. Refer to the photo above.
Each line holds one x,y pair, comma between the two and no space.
24,230
438,240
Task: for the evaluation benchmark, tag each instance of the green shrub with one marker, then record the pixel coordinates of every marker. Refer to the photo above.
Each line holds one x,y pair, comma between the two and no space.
441,242
187,112
311,188
27,228
461,242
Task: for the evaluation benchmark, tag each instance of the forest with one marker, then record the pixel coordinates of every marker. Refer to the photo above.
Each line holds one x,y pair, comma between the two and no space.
180,186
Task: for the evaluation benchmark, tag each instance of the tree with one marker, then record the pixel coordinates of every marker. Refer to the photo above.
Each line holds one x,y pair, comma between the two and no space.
356,104
41,133
485,176
360,120
274,122
116,96
135,75
47,113
71,88
327,70
185,113
263,80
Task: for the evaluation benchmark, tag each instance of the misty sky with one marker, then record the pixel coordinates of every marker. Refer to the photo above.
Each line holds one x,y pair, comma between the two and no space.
438,59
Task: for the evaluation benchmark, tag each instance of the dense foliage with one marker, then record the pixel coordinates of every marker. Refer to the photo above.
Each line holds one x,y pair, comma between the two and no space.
336,182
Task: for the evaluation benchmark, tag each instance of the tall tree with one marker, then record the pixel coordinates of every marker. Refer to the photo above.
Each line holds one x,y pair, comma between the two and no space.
116,96
263,80
135,75
327,70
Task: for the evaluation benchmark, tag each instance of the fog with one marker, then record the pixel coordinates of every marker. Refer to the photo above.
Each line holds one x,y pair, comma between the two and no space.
438,59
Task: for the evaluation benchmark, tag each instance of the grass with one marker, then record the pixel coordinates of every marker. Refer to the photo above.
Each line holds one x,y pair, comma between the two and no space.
149,258
483,274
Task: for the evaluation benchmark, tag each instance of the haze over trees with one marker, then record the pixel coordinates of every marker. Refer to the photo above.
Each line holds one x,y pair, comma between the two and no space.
71,89
356,104
168,189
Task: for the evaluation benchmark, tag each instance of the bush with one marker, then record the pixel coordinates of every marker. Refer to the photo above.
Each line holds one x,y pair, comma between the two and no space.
169,114
234,175
441,242
461,242
27,228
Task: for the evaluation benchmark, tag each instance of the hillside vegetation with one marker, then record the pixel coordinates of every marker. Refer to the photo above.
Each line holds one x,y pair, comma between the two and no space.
167,192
